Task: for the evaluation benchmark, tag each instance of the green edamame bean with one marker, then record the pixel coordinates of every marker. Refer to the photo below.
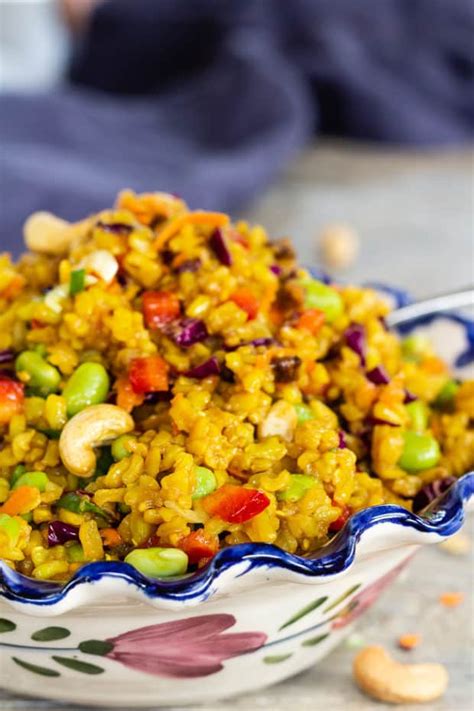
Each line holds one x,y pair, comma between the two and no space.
37,479
418,413
158,562
445,398
88,385
43,377
421,451
206,482
415,347
297,488
323,297
120,447
304,413
75,553
41,349
11,527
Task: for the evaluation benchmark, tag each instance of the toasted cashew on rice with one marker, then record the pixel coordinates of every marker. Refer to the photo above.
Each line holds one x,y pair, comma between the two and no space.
45,233
280,421
385,679
94,426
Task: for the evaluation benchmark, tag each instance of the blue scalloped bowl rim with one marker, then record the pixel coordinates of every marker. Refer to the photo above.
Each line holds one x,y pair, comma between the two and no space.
443,518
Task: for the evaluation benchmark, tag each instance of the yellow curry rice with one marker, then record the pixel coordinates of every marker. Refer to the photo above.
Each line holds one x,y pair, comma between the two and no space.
263,405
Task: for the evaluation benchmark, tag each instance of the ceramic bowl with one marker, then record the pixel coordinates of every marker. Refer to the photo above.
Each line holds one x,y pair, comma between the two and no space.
254,616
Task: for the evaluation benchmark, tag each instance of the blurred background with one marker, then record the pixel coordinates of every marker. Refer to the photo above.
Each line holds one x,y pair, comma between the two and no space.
347,125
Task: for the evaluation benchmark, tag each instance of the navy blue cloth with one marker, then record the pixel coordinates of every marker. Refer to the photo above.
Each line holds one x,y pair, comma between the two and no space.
211,98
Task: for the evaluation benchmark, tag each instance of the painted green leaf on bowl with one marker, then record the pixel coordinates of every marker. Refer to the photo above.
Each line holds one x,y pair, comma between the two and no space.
305,611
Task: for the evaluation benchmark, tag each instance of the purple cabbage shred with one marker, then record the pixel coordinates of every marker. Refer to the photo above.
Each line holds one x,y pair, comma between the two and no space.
190,265
220,248
59,533
378,376
204,370
276,269
260,342
167,256
431,492
188,332
355,339
116,228
372,421
342,440
409,397
6,356
152,398
264,341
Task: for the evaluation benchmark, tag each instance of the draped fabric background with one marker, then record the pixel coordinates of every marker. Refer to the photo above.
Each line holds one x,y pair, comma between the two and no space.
211,98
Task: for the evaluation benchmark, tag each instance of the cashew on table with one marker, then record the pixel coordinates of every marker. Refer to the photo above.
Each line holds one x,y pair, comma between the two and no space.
385,679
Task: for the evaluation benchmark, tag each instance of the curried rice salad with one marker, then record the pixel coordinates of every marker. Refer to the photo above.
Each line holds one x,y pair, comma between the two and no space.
173,383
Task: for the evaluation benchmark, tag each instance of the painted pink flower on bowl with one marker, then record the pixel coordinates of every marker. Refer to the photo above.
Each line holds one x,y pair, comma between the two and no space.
184,648
363,600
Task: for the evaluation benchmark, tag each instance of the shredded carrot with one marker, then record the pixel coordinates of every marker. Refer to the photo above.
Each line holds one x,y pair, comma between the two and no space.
451,599
149,206
311,320
179,260
268,298
111,537
21,501
409,641
208,219
276,316
127,399
433,365
13,288
235,236
247,301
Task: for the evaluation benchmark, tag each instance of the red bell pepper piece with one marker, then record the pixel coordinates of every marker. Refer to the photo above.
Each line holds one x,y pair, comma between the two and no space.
235,504
199,546
148,375
160,307
34,323
247,301
339,522
11,399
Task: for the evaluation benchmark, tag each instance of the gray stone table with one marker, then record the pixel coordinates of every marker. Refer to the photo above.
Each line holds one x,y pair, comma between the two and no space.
414,214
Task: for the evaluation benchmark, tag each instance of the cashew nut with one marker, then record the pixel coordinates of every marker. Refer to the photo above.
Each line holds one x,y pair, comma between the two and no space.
101,263
281,421
339,246
92,427
45,233
385,679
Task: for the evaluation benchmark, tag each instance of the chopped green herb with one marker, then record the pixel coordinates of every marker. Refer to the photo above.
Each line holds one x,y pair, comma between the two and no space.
77,282
80,504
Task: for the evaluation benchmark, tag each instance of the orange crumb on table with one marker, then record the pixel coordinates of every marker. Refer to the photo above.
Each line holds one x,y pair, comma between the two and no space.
451,599
409,641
